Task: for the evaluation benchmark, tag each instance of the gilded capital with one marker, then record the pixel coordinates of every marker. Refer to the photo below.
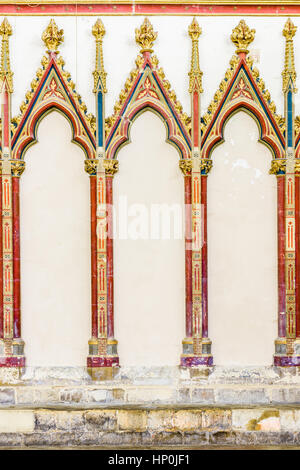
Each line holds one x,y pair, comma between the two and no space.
111,166
206,165
278,166
17,167
297,167
145,36
5,71
242,36
186,166
52,36
99,73
90,166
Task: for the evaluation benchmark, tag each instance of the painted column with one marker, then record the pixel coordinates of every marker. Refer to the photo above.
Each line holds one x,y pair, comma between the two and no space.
103,358
11,344
287,345
196,345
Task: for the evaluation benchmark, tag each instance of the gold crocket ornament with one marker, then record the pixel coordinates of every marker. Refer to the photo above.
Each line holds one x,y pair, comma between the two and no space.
52,36
242,36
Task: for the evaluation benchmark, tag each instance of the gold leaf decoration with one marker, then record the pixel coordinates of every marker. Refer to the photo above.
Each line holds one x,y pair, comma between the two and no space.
145,36
242,36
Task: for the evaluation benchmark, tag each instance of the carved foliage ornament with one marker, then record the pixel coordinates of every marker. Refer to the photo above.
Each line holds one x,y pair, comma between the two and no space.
242,36
278,166
90,118
111,166
186,166
52,36
145,36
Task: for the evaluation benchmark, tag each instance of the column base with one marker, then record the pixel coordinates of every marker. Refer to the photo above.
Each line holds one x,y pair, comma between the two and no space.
287,352
196,352
103,360
12,353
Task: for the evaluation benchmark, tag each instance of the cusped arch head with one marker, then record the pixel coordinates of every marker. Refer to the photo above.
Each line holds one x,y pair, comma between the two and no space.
266,133
120,136
27,130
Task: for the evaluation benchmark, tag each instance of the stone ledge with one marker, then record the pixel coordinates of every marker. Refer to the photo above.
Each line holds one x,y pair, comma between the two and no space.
139,428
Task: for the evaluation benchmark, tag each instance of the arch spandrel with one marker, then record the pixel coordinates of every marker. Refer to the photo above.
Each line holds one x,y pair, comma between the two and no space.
147,89
243,89
52,89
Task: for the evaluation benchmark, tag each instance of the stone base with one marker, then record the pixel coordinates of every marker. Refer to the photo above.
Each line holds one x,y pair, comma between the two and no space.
102,373
196,352
175,427
196,361
287,361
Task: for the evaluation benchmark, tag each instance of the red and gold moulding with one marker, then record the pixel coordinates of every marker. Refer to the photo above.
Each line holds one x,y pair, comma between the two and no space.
147,89
52,89
146,7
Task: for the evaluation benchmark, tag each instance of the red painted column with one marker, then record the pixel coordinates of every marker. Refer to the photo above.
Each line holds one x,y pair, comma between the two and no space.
204,257
110,258
93,206
16,257
1,265
297,236
188,255
281,255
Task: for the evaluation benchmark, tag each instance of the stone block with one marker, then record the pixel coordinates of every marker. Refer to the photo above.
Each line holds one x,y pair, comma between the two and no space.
16,421
187,420
7,396
132,420
152,395
203,396
286,395
45,420
96,396
290,420
230,396
254,419
216,420
195,439
69,420
101,420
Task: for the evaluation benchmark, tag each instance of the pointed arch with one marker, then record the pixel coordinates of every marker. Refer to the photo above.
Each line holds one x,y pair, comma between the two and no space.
146,89
242,89
52,89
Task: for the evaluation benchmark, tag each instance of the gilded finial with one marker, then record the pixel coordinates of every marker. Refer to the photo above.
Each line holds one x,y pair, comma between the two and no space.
145,36
99,73
242,36
52,36
195,73
289,71
194,30
5,71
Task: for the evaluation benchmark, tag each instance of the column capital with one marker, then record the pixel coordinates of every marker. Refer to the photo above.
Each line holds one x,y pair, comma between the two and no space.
278,166
186,166
206,165
17,167
90,166
111,166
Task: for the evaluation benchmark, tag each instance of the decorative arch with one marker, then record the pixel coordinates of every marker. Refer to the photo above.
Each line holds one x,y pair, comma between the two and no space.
52,89
242,89
147,89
